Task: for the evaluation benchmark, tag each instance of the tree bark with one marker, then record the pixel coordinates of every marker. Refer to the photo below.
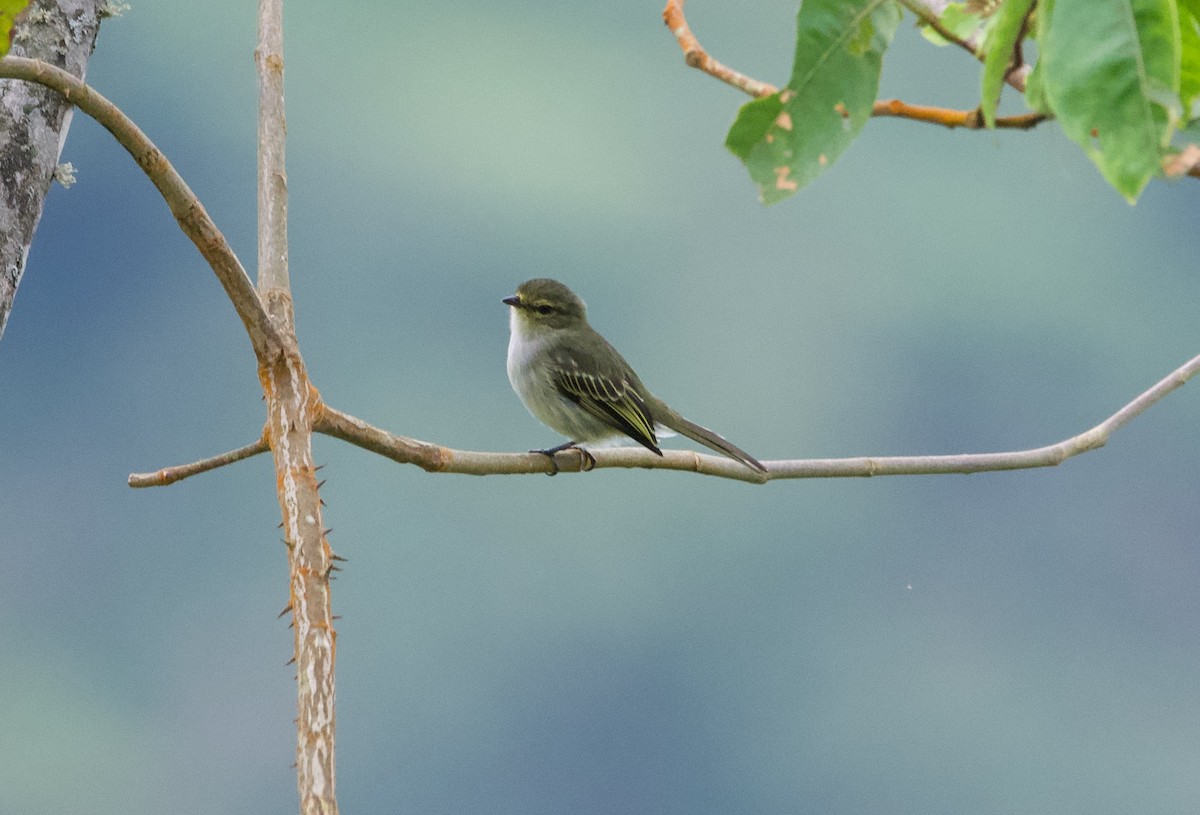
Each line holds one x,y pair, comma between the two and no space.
33,126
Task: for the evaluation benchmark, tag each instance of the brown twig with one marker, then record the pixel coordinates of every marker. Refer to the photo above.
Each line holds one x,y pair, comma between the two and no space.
169,475
1184,162
970,119
695,56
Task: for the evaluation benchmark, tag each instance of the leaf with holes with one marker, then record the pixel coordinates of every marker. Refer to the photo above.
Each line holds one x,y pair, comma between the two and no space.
788,138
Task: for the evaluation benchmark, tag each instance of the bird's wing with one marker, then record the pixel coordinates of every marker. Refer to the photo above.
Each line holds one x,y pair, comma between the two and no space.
604,392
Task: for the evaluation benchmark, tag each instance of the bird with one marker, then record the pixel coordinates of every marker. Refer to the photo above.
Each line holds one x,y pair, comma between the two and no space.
573,381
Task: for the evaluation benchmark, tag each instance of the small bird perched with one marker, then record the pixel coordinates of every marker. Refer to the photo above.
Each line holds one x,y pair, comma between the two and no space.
573,381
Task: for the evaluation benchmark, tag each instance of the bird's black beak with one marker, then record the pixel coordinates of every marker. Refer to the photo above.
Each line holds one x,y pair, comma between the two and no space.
513,301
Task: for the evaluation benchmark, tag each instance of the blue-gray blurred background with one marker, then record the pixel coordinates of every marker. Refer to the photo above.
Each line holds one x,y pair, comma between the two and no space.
621,641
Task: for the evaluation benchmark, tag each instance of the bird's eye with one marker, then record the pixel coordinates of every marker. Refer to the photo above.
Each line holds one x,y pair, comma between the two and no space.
544,309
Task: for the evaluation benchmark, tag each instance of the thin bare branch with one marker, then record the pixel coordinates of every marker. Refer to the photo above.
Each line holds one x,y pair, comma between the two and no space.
437,459
169,475
272,140
695,55
970,119
185,206
427,456
434,458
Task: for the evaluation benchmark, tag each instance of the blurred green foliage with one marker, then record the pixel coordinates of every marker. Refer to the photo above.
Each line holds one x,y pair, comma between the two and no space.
1120,77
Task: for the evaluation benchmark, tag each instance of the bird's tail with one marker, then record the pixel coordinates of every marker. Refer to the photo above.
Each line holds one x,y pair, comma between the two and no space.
702,435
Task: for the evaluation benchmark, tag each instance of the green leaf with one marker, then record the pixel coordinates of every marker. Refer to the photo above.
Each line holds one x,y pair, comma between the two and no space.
1189,63
1035,91
1001,40
1109,69
9,9
786,139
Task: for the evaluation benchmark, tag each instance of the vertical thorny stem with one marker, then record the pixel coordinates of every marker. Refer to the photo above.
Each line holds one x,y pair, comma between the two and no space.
292,403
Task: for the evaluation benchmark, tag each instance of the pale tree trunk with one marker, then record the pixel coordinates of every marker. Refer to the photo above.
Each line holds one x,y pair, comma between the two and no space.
33,126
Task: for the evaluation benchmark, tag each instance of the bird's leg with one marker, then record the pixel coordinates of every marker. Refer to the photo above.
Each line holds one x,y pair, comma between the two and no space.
589,461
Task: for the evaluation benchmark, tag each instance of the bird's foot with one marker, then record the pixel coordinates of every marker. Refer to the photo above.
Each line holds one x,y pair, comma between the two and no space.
587,460
553,461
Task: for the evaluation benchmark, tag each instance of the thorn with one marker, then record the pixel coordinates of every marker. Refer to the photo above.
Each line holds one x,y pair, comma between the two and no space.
286,609
327,531
321,501
291,661
334,569
321,483
318,467
336,617
339,557
280,525
287,543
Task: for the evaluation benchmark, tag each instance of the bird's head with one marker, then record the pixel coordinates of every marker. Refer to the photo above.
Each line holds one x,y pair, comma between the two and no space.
542,303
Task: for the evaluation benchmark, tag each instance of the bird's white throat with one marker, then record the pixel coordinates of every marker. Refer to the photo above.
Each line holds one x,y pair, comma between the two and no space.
523,344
